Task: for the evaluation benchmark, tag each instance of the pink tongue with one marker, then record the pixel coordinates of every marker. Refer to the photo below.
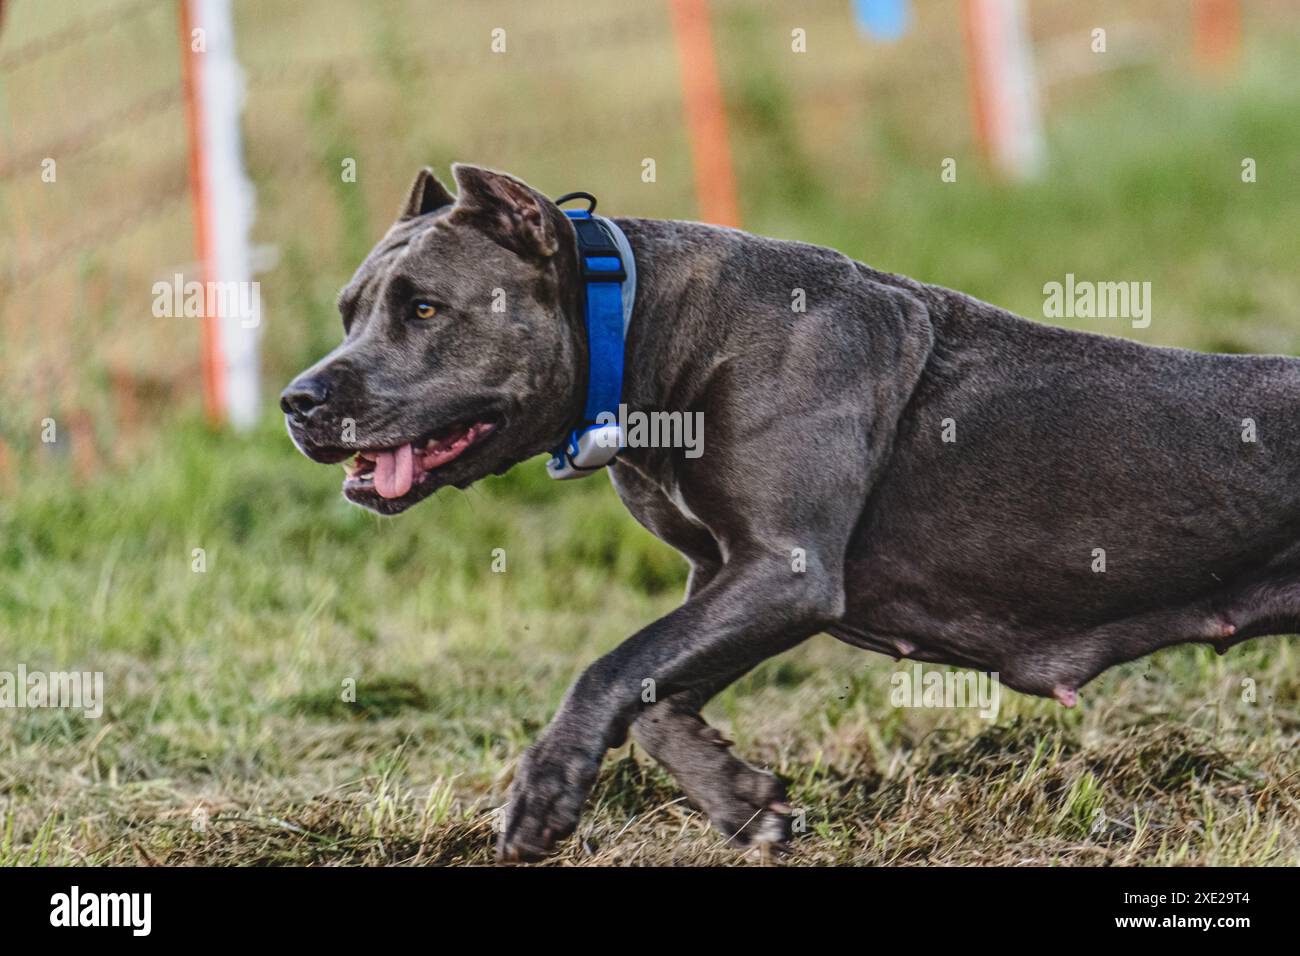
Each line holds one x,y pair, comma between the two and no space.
394,471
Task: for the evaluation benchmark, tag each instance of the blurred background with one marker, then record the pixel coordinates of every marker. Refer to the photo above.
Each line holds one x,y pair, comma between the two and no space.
841,144
926,138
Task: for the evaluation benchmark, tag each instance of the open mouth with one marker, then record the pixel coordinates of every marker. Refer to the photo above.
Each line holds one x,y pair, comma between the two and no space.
393,472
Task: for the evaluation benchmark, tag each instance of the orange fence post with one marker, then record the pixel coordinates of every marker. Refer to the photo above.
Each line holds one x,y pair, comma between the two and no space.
1217,24
213,400
980,107
7,483
706,114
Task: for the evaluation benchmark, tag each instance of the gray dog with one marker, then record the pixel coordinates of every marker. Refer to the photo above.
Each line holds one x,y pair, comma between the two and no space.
948,473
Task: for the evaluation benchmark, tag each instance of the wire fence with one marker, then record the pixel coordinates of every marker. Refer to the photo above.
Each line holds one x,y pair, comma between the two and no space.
94,188
93,192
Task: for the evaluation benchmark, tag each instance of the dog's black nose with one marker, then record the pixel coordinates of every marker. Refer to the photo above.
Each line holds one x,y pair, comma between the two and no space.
303,395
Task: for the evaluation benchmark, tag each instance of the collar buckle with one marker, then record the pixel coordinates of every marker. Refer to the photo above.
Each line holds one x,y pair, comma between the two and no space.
587,450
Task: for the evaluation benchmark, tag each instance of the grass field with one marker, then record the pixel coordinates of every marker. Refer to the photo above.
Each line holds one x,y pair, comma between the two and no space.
226,738
225,712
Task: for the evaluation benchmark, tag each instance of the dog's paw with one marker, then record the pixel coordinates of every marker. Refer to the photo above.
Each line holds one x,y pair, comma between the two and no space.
748,807
544,801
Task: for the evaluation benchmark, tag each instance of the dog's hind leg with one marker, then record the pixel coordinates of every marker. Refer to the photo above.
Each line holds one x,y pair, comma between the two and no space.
743,803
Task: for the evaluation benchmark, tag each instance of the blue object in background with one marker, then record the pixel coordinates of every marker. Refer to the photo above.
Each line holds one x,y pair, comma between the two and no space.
882,19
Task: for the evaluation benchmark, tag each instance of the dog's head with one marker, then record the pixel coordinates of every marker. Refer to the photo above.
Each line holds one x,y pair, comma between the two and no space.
461,345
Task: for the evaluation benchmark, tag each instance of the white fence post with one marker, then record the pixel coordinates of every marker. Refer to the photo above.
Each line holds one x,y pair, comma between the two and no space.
1004,90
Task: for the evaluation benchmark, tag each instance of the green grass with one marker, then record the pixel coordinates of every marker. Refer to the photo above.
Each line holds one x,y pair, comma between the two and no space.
227,737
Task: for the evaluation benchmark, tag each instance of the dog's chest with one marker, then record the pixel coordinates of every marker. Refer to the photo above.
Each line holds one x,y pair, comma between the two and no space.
659,503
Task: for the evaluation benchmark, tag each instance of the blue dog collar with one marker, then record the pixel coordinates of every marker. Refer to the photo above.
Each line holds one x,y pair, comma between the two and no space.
608,271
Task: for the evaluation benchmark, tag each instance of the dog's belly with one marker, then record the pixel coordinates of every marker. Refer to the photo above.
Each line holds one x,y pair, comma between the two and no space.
1077,520
1039,659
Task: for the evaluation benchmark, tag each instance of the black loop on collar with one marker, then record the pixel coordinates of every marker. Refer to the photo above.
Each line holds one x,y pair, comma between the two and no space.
568,197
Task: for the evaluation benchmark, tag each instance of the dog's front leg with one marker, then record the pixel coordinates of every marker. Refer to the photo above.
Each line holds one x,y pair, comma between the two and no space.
754,608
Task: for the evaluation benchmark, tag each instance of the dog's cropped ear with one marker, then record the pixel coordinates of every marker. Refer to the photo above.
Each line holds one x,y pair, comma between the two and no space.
427,194
508,211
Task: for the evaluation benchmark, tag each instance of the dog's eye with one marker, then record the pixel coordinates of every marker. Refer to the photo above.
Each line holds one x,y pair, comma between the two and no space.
425,310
